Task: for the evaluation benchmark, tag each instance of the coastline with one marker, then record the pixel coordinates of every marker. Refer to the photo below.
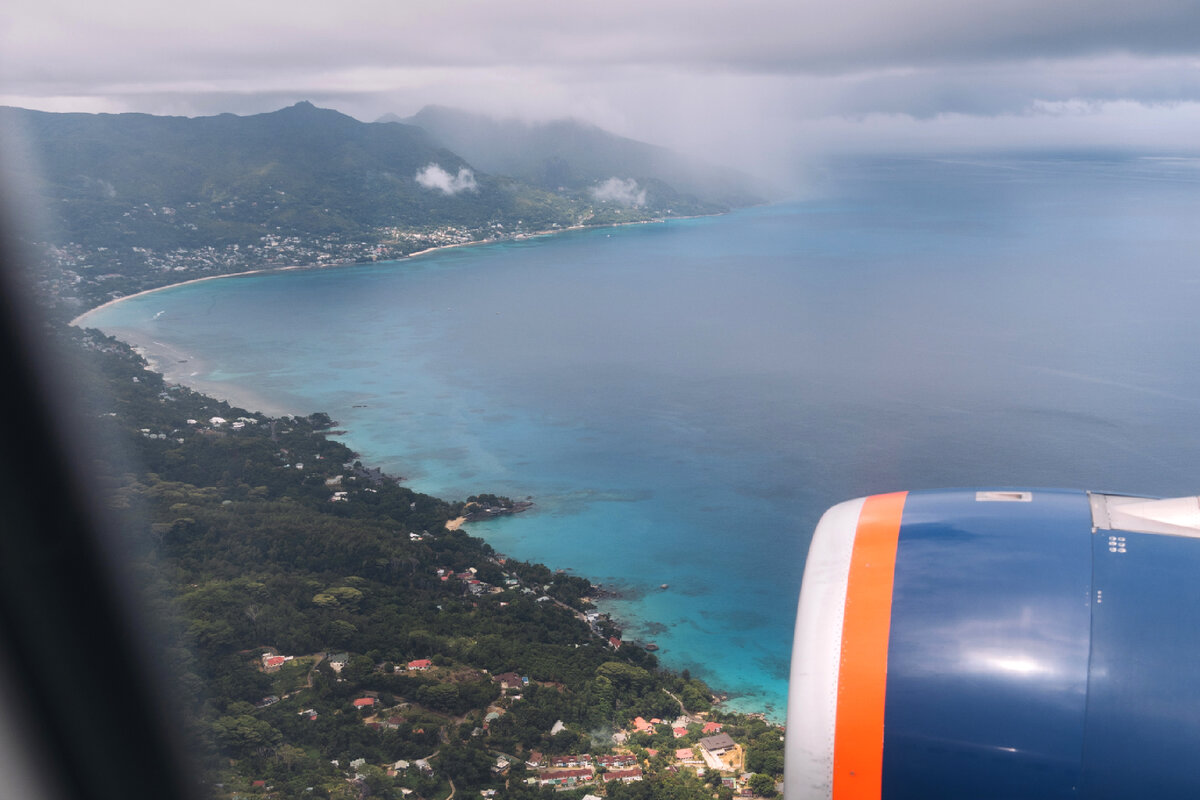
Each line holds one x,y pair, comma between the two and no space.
79,320
263,271
158,357
171,362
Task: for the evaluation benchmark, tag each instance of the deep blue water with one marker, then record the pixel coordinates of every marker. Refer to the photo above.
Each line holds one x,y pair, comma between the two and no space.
683,400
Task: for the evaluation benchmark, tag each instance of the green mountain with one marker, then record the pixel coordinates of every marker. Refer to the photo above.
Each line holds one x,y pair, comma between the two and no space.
133,201
568,154
302,171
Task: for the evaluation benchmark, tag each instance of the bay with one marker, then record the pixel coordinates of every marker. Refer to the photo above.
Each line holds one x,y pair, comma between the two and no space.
682,400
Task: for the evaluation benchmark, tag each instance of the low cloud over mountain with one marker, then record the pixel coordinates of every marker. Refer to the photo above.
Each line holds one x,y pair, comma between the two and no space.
434,177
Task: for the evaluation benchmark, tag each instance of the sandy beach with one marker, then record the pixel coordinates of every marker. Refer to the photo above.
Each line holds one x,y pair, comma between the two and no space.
184,368
81,320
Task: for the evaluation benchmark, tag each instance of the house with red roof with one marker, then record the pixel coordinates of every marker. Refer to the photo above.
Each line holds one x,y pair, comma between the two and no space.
272,662
711,727
364,702
420,664
641,726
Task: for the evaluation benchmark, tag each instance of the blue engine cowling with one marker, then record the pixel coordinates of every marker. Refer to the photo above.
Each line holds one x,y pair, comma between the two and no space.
998,644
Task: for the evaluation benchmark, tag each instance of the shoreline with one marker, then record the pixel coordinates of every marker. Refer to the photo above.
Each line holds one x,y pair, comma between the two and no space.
261,271
245,398
168,361
79,319
241,396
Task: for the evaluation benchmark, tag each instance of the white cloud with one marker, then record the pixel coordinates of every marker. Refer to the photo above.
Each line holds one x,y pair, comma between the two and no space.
434,177
623,192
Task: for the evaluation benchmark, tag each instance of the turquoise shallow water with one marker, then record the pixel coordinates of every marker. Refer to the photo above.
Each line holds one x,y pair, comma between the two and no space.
682,400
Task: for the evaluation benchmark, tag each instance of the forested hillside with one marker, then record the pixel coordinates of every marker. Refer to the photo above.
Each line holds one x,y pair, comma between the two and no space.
330,637
130,202
300,171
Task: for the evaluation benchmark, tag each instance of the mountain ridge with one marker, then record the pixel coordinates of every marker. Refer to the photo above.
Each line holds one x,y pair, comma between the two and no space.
572,154
136,201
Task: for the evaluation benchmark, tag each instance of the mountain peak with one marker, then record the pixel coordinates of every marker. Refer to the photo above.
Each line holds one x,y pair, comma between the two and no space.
307,110
306,107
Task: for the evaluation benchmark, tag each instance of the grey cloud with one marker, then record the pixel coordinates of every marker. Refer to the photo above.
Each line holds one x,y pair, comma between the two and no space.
754,36
769,77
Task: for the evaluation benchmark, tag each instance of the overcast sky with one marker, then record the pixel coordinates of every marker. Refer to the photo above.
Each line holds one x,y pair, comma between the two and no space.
782,79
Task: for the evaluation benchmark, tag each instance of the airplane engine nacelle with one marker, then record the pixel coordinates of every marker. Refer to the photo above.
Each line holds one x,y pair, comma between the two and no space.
998,644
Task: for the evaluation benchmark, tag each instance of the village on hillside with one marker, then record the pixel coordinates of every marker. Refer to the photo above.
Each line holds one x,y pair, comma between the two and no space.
698,745
346,635
702,746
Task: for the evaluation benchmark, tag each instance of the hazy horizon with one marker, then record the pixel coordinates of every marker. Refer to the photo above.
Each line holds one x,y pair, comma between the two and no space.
768,85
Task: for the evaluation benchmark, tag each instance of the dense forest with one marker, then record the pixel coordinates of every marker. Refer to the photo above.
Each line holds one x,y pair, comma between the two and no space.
330,637
326,633
130,202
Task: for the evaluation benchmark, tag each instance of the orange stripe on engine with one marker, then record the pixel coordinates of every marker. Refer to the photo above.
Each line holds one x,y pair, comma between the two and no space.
862,679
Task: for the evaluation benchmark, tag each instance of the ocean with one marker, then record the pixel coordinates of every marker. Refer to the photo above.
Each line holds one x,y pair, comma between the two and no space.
682,400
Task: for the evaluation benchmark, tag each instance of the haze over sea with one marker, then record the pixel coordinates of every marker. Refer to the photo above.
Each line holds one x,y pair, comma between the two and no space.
682,400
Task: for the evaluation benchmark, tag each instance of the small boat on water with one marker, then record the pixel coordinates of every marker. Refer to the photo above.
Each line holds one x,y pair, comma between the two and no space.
664,586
